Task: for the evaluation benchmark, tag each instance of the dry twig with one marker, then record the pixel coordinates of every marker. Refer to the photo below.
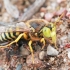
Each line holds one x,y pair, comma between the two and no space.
32,10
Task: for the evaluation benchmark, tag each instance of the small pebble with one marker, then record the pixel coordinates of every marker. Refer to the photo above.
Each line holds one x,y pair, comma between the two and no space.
43,9
69,54
19,67
53,5
24,51
27,3
52,51
25,9
42,14
65,60
48,16
41,55
1,68
51,59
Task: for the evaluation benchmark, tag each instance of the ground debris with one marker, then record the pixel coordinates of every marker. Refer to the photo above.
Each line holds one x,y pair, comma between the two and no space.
50,10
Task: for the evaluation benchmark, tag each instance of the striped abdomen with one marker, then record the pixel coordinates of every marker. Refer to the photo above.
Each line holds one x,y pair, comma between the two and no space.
8,36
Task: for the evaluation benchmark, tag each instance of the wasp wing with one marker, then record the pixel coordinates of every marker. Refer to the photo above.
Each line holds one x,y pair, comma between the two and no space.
22,27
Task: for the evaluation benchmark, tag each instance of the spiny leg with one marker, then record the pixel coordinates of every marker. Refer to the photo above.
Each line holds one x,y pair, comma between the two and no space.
30,42
43,41
16,40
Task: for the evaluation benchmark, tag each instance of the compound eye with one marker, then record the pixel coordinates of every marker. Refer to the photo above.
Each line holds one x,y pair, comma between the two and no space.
46,32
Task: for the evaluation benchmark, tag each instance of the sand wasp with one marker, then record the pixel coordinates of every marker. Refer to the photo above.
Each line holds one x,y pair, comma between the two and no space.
39,31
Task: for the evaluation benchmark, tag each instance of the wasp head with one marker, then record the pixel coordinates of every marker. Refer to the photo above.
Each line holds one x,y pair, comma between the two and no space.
49,31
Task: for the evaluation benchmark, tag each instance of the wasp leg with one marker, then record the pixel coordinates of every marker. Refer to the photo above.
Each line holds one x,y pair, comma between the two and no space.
23,34
56,46
43,41
30,42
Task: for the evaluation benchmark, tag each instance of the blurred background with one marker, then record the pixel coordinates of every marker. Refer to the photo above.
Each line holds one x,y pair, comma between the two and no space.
14,10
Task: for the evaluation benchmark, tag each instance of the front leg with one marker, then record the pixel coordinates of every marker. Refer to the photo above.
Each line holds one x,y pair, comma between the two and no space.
31,49
43,41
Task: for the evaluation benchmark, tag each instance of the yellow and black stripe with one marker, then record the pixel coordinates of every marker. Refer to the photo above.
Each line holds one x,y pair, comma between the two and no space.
9,34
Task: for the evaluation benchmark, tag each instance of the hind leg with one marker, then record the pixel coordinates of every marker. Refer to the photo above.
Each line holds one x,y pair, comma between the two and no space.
15,41
30,42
